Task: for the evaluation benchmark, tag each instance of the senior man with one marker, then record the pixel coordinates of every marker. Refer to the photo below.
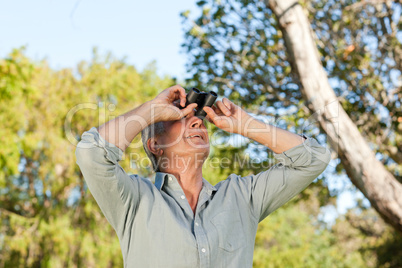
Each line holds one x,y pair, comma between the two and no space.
182,220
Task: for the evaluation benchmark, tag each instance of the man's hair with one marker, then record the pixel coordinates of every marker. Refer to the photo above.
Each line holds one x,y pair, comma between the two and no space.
151,131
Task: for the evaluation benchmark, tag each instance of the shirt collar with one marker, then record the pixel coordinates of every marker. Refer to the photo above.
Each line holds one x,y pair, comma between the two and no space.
161,178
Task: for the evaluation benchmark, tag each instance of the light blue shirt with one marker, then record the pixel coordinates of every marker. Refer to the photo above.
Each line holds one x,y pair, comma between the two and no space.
155,224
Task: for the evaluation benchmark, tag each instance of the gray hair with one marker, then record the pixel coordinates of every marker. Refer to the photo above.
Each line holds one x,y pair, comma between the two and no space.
150,132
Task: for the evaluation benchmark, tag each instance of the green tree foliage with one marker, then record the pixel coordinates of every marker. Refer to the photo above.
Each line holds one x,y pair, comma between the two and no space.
361,49
48,217
292,237
236,48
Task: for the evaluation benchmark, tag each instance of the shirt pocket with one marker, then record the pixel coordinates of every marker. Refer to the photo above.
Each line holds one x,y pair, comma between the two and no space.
230,230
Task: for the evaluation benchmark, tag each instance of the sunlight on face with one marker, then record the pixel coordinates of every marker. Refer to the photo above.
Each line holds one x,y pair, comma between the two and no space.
186,136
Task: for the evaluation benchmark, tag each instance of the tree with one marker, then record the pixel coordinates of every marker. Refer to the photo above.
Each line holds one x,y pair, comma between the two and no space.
264,55
360,163
48,217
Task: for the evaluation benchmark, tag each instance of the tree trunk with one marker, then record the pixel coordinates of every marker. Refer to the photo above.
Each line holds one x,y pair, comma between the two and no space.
361,165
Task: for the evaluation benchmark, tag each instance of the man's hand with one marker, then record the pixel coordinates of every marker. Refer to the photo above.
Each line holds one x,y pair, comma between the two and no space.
228,116
164,106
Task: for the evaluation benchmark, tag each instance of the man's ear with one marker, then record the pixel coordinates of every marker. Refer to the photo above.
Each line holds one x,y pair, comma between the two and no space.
153,146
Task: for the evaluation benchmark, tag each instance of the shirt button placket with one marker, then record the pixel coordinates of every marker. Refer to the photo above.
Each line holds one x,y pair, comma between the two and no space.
202,243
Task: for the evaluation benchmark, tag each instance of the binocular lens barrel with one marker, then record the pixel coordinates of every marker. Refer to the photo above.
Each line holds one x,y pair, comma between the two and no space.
192,96
208,101
202,99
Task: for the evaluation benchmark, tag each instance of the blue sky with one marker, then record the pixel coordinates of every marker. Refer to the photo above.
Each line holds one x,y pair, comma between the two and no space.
64,32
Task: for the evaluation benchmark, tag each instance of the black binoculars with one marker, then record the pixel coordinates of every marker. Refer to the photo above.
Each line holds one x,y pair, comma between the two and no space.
202,99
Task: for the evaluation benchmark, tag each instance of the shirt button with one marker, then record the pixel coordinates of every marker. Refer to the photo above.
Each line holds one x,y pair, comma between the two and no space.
170,179
196,224
203,250
182,197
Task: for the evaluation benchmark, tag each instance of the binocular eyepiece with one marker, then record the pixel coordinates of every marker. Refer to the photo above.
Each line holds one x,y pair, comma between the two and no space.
202,99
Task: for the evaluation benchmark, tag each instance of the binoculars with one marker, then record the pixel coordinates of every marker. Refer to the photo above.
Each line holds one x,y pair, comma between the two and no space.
202,99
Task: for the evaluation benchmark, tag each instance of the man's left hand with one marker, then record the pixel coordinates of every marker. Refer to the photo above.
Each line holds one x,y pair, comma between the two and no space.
228,116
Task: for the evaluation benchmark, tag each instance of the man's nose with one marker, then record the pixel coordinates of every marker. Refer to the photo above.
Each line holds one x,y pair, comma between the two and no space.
195,122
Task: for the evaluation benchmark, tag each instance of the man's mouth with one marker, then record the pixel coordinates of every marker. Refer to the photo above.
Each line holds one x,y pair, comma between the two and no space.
194,136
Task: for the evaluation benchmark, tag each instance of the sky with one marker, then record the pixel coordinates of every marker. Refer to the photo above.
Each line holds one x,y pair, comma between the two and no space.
65,32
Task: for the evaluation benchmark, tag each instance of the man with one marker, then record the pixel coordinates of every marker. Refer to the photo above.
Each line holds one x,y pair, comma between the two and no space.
182,220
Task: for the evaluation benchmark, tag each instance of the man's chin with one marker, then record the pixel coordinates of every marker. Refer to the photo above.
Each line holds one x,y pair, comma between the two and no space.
200,147
198,150
197,142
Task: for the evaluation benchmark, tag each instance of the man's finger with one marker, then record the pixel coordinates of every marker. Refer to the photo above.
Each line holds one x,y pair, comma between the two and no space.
223,108
178,93
208,119
211,113
182,95
227,103
183,98
189,109
217,110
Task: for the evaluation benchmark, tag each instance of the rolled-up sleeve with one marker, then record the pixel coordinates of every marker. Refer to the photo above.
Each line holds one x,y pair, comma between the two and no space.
295,170
113,189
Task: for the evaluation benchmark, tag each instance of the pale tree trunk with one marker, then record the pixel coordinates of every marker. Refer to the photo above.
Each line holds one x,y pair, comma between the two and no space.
361,165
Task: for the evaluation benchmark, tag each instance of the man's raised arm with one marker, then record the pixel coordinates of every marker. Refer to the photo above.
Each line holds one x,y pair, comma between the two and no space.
99,152
123,129
301,159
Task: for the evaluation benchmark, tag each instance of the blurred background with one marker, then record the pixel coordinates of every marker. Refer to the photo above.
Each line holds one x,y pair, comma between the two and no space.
66,66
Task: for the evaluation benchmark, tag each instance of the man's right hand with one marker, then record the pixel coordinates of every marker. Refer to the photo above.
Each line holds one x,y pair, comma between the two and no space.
164,106
121,130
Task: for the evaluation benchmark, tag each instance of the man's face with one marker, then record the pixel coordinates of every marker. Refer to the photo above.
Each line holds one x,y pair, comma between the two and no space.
185,137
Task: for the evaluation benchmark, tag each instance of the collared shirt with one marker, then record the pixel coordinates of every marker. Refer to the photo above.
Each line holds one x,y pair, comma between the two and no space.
155,224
